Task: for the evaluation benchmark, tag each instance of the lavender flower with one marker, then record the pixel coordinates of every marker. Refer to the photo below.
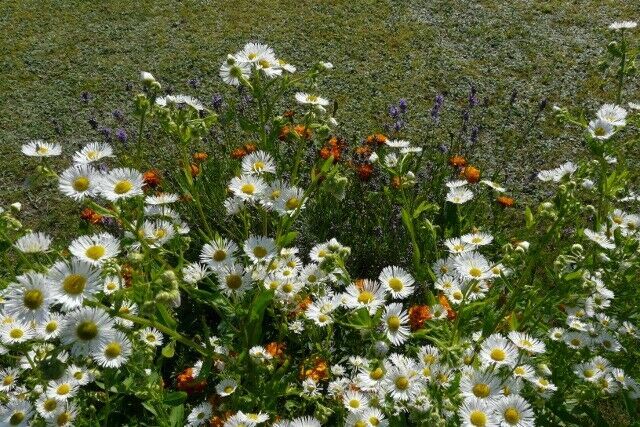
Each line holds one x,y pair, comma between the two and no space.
216,101
473,100
394,112
402,104
194,82
435,111
118,115
474,135
106,132
121,134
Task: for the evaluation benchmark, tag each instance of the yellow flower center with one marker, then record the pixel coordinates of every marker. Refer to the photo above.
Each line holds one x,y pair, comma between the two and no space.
498,354
323,318
92,155
360,423
478,418
51,327
42,150
599,131
78,375
252,56
481,390
87,330
50,404
457,295
219,255
228,389
234,281
376,374
354,403
475,272
63,418
365,297
95,252
312,98
260,252
396,284
16,418
293,203
8,380
74,284
16,333
259,165
33,298
63,389
393,322
402,383
123,187
512,415
81,183
151,338
113,350
275,194
248,188
287,288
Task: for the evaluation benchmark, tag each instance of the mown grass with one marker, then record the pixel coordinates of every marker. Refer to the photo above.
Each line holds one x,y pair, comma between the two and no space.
52,51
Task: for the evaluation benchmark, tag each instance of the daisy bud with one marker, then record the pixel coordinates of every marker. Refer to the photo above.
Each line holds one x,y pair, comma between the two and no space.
577,249
374,157
333,122
147,77
17,206
326,65
603,257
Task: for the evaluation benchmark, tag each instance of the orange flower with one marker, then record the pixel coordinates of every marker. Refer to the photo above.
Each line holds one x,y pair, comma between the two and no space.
376,139
505,201
442,299
90,215
151,178
302,131
363,150
238,153
127,275
276,349
365,171
396,182
249,147
418,314
289,114
187,383
200,157
471,174
195,170
333,147
304,304
319,370
359,283
457,161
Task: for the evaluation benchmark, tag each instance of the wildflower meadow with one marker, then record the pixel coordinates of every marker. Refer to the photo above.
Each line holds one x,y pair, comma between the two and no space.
292,275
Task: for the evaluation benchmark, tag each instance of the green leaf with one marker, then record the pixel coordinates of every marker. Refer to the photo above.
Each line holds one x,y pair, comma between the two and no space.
175,398
528,217
150,408
176,417
166,317
287,239
169,350
256,314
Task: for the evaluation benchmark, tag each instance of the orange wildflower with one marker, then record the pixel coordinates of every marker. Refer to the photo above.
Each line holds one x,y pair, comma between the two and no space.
365,171
151,178
200,157
442,299
90,215
187,383
319,370
376,139
276,349
195,170
457,161
471,174
418,315
505,201
238,153
249,147
363,150
396,182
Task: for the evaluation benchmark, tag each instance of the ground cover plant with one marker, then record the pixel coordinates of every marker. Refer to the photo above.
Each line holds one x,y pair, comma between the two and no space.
290,277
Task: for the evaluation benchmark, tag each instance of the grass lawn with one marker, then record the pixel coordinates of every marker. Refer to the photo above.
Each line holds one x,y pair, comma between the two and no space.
53,51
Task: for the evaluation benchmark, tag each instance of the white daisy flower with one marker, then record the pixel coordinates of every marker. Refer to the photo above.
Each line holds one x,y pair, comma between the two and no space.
16,413
254,52
79,181
113,351
459,195
47,407
309,99
477,239
403,383
514,411
397,143
151,336
169,100
62,389
95,249
269,66
472,266
147,77
369,295
476,413
257,163
623,25
218,253
290,201
194,272
457,183
320,310
121,183
613,114
161,199
497,187
200,414
496,350
81,376
395,322
456,246
232,280
397,282
73,282
304,422
157,233
29,298
354,401
600,238
33,243
480,385
39,148
232,71
526,342
272,194
111,284
226,387
85,328
8,378
259,249
247,187
93,152
286,66
50,327
524,371
601,129
126,307
66,415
